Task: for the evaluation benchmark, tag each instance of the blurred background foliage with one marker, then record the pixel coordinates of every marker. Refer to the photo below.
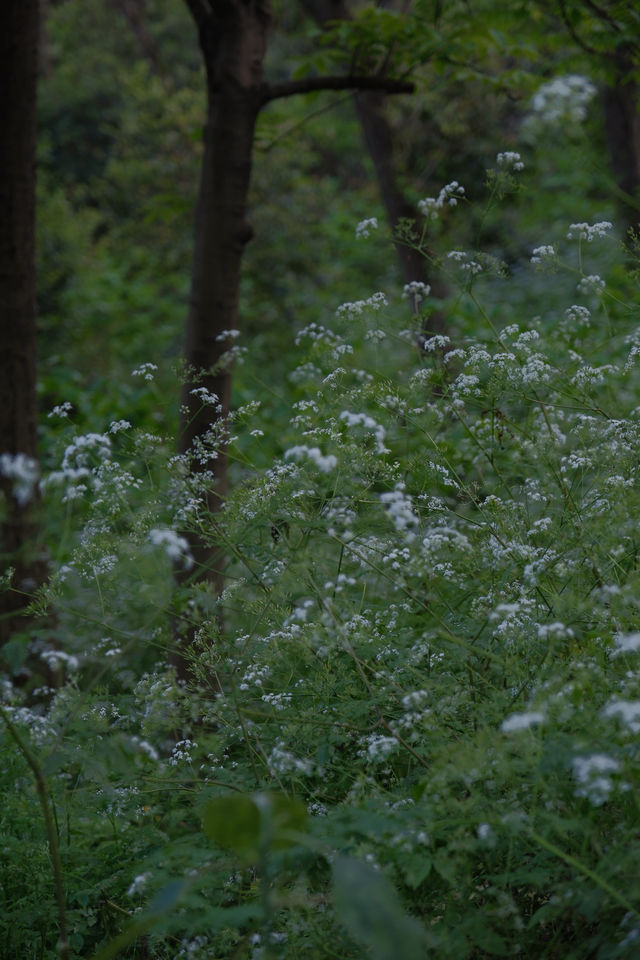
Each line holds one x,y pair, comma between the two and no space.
121,106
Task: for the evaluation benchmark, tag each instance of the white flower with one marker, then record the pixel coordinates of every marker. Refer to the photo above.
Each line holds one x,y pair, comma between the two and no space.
510,160
144,370
181,753
627,642
592,283
175,546
55,658
563,100
588,772
205,397
61,410
353,419
364,228
578,315
324,463
23,470
543,253
450,194
399,506
416,292
138,884
379,747
627,710
227,335
589,232
469,266
521,721
117,425
355,309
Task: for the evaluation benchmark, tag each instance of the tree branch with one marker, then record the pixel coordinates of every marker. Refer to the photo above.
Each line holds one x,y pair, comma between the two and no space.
288,88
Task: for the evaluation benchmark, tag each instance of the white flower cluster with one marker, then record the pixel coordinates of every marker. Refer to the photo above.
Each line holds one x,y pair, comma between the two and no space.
23,470
61,410
465,262
354,419
591,284
377,747
181,753
589,232
399,506
117,425
138,885
282,761
358,307
324,463
175,546
449,195
540,254
564,99
576,315
55,659
590,773
628,712
415,292
521,721
510,160
364,228
627,642
206,397
145,370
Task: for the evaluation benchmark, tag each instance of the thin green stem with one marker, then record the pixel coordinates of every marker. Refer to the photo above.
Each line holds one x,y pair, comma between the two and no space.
47,813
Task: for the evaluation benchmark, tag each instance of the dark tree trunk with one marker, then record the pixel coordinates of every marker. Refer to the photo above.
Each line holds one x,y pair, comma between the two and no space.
379,139
233,41
622,125
19,28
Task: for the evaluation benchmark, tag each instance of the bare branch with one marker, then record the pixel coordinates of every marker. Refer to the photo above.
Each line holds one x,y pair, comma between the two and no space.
288,88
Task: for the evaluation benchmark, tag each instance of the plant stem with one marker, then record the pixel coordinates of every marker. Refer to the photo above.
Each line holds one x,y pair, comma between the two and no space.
54,852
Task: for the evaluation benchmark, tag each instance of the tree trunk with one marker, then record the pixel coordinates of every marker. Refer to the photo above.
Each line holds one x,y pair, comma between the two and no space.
379,139
19,28
233,42
622,125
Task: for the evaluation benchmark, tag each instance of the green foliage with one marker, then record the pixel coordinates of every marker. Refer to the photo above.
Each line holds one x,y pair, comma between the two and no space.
413,707
412,713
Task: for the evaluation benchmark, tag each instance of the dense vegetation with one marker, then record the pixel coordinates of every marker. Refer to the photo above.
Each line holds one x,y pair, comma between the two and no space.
409,725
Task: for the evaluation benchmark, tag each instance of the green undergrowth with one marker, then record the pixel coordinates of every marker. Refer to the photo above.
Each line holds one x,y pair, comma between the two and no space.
411,724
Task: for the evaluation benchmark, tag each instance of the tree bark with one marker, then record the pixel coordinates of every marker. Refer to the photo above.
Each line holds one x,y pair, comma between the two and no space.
622,126
379,140
233,39
232,36
19,29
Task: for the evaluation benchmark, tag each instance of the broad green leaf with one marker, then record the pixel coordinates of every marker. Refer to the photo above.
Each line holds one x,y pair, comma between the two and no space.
370,909
247,824
282,818
416,868
234,822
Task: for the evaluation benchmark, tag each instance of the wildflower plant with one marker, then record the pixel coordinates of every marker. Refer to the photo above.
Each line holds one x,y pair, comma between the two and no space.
414,708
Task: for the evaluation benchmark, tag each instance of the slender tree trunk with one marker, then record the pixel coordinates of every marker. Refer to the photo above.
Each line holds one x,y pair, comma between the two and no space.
379,139
622,125
19,28
233,41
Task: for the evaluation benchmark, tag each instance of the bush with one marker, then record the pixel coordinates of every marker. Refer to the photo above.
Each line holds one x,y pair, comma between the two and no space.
414,707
